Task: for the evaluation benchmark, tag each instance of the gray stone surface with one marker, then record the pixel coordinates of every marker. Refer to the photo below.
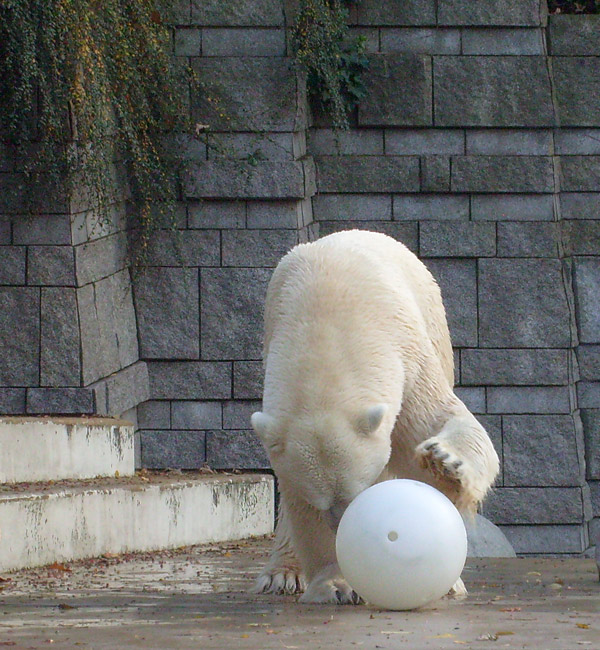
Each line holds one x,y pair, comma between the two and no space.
577,86
538,314
364,142
232,302
484,539
248,377
528,399
528,239
591,427
435,174
173,449
574,35
187,41
406,232
19,336
410,12
154,414
244,94
184,248
489,12
352,207
588,394
235,449
367,174
191,380
13,265
60,360
398,91
217,214
512,207
458,282
100,258
422,207
502,174
587,298
577,141
580,173
5,233
492,91
581,237
256,147
250,248
196,415
580,205
123,390
540,450
588,359
60,401
507,367
519,41
12,401
237,13
472,397
274,214
45,230
51,265
509,142
243,42
546,539
457,239
407,142
421,41
167,310
529,505
236,414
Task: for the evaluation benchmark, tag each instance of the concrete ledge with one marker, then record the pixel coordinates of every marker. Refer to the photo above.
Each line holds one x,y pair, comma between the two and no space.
60,523
52,449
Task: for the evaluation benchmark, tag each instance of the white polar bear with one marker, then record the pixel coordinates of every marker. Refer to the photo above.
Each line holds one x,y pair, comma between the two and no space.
358,389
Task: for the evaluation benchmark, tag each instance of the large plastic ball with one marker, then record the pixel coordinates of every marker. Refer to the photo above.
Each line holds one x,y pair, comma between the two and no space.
401,544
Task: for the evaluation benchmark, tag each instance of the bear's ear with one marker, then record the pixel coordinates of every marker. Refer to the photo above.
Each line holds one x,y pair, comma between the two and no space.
370,420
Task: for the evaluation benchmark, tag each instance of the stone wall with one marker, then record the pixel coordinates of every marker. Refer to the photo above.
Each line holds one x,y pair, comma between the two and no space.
478,146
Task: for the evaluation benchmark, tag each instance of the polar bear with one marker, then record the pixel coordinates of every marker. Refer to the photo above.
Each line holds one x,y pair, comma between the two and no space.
358,389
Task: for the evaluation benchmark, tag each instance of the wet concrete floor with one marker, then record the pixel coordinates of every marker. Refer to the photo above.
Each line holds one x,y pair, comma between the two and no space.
197,599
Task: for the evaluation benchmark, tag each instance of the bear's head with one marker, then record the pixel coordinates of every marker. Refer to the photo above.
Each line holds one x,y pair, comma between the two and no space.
328,459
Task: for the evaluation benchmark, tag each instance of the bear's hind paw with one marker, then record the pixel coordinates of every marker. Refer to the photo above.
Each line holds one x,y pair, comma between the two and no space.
335,592
281,581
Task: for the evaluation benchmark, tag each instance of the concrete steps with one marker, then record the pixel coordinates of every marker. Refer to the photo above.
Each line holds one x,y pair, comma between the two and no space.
69,491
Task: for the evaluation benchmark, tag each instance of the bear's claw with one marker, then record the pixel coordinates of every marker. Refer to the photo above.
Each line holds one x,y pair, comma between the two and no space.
440,462
335,591
281,581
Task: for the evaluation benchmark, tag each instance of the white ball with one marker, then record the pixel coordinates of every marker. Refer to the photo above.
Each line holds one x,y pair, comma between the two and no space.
401,544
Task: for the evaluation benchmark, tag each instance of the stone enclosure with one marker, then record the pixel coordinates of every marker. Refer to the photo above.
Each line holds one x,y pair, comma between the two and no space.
478,146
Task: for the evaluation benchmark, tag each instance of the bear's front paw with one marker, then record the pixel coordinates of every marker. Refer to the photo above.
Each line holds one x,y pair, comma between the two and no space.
329,587
435,456
279,580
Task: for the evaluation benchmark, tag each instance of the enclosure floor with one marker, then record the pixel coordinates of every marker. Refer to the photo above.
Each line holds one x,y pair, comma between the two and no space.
196,598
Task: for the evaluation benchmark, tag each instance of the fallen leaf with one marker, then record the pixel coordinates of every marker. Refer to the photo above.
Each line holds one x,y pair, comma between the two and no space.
395,632
56,566
583,626
443,636
504,633
533,573
510,609
65,606
245,636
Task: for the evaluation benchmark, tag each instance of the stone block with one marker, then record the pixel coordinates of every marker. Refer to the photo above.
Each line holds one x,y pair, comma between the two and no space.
363,142
368,174
166,301
187,41
514,367
492,91
229,179
60,361
244,94
458,281
588,359
243,42
591,428
13,265
502,174
5,233
398,91
405,232
588,394
577,35
352,207
528,399
193,380
577,84
274,214
405,142
248,377
231,304
235,450
173,449
154,414
573,142
411,12
581,237
51,265
528,505
473,398
423,207
60,401
512,207
580,173
251,248
122,391
236,415
489,12
12,401
509,142
528,239
20,196
217,214
196,415
457,239
184,248
435,174
101,258
19,336
515,42
255,147
523,303
540,450
43,230
238,13
420,41
580,205
554,539
587,298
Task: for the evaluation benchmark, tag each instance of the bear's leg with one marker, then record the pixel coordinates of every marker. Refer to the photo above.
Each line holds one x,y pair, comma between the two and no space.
282,575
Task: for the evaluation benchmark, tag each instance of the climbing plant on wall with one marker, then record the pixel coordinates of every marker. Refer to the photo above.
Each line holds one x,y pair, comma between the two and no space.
88,89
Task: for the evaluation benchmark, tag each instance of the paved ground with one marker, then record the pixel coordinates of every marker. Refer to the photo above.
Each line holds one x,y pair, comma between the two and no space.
196,599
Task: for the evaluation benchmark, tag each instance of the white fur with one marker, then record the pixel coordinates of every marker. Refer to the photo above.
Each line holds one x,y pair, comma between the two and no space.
358,388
